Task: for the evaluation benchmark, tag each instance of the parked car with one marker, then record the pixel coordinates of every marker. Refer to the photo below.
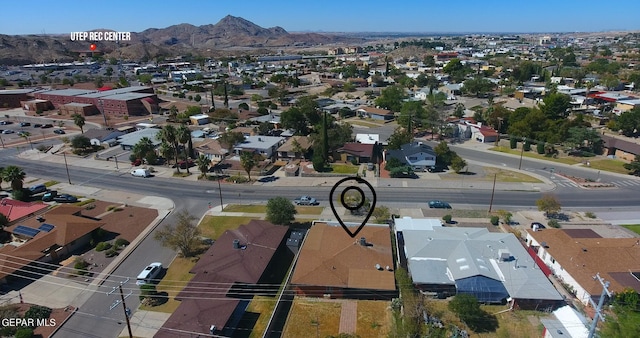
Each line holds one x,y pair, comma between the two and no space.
8,131
48,125
36,189
140,173
24,124
184,164
58,131
37,125
49,195
305,200
537,226
65,198
4,123
149,273
437,204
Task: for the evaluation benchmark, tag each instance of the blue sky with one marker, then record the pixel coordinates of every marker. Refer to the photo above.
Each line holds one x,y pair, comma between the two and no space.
64,16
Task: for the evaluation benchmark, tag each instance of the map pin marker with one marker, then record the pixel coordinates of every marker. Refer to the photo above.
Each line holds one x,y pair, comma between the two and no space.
351,207
93,46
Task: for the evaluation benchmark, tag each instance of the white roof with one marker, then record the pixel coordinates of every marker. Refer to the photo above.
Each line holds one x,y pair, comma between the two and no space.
408,223
568,323
367,138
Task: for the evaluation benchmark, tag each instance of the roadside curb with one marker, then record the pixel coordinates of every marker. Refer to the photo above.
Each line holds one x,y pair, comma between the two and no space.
60,325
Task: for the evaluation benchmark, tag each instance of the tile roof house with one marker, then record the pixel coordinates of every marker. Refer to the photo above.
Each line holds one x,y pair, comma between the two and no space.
289,150
331,263
211,149
16,210
418,155
575,256
494,267
356,152
226,277
63,230
375,113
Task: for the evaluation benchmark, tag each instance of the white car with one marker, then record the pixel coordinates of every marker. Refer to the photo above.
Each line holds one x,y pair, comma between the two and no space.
149,273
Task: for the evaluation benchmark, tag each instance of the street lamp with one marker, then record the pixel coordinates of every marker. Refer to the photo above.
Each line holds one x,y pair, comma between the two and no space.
524,139
103,113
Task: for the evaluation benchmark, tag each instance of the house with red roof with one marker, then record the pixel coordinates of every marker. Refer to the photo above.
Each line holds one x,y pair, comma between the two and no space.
16,210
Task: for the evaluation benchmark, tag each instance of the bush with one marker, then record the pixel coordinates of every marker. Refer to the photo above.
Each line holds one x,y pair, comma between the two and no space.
238,179
120,242
38,312
513,143
147,290
24,332
526,146
103,246
553,223
494,220
446,218
111,252
540,148
590,214
81,266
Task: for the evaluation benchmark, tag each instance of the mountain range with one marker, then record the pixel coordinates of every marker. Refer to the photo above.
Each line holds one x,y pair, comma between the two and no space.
231,34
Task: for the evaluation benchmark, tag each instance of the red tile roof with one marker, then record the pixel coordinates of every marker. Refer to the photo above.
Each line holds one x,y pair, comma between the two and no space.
358,149
15,209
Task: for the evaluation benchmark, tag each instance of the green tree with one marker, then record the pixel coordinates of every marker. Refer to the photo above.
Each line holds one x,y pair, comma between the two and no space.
169,134
14,176
381,214
280,211
294,118
203,163
197,98
391,98
183,237
467,308
549,204
458,163
318,161
411,112
230,139
142,149
248,161
80,142
79,121
478,86
629,122
4,221
243,106
444,155
633,166
623,320
459,111
398,138
184,137
556,106
585,138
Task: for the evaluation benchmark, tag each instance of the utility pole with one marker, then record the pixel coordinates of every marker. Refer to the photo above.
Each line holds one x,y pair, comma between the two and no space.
220,193
127,311
493,191
524,139
66,166
598,315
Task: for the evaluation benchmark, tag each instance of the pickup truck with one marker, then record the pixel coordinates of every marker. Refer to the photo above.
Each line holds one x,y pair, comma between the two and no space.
305,200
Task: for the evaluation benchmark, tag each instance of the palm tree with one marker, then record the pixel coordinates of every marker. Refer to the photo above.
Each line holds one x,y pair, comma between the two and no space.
15,176
25,135
169,134
166,151
142,148
79,121
203,163
183,135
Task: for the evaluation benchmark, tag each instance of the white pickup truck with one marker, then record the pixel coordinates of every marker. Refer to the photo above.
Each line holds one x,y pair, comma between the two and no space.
305,200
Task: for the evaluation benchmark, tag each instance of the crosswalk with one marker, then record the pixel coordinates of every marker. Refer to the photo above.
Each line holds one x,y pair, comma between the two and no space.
627,183
565,183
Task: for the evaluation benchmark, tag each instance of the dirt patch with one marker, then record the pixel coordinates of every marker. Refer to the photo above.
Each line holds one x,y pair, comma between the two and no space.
587,183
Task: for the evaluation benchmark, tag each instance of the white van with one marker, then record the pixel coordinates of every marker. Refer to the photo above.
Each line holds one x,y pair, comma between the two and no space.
141,173
149,273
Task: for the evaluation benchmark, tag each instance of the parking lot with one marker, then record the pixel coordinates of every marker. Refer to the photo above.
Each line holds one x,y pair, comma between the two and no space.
17,129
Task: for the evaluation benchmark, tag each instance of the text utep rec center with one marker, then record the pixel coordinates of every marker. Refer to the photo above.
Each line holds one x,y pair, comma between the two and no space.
100,36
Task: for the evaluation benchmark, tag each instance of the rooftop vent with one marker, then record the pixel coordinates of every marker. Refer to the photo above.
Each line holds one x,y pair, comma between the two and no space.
363,241
378,267
236,244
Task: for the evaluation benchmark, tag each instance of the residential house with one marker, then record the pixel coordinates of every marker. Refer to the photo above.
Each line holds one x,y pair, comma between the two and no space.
357,153
575,256
50,239
16,210
199,119
127,141
333,264
477,131
296,147
620,148
263,145
211,149
375,113
241,263
417,155
368,138
99,137
493,267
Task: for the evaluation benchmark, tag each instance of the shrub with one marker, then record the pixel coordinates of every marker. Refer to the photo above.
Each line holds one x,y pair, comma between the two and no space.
102,246
120,242
81,266
526,146
147,290
24,332
540,148
590,214
446,218
553,223
513,143
111,252
37,311
494,220
238,179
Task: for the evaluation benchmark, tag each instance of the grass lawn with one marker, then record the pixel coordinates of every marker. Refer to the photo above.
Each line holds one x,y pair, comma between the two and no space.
611,165
344,168
308,316
633,227
261,209
374,318
178,275
264,306
49,184
533,154
214,226
508,175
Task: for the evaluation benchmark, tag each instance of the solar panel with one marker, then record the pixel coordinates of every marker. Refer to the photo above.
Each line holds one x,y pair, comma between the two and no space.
25,231
46,227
